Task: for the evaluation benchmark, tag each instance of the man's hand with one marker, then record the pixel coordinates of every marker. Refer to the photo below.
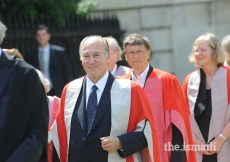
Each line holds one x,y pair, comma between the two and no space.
110,143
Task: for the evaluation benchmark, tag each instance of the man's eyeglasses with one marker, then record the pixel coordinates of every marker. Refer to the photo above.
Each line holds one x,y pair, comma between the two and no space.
201,51
131,53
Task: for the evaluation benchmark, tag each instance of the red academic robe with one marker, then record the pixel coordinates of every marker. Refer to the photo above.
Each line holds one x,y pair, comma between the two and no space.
53,108
168,107
126,97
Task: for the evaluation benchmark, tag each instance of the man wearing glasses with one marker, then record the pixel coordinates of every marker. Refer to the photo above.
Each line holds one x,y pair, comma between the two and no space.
166,100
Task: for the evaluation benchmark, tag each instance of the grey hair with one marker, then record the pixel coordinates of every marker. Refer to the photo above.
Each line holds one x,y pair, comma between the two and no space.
226,43
219,54
44,80
3,29
114,45
97,36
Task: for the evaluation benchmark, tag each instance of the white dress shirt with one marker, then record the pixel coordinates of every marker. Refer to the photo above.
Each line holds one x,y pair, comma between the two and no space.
226,63
114,70
46,53
141,78
0,52
100,85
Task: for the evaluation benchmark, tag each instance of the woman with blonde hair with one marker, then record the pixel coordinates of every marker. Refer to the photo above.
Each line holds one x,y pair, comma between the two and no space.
207,92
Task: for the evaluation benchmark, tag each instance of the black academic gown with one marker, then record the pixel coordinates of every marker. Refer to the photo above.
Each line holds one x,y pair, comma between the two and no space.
24,123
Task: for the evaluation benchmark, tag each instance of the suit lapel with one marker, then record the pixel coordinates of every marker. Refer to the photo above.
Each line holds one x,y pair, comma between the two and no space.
104,102
6,70
82,108
51,59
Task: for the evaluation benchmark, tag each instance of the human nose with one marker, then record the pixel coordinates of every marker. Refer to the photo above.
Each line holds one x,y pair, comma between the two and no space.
91,59
135,54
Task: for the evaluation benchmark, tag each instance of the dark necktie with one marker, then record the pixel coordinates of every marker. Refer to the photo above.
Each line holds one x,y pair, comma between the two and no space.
91,106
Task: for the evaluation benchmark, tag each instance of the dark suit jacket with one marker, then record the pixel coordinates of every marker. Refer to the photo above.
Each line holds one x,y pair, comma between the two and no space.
24,110
86,147
59,69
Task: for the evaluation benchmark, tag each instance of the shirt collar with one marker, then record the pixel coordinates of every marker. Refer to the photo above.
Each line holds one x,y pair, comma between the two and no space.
142,76
100,84
114,69
44,49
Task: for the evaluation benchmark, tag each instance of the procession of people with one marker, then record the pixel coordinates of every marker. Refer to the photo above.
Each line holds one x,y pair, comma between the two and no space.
113,113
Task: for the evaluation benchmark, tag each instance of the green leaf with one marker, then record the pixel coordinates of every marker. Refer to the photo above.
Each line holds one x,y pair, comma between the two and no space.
58,10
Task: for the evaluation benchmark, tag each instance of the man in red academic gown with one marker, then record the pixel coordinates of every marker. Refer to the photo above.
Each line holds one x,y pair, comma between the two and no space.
101,118
166,100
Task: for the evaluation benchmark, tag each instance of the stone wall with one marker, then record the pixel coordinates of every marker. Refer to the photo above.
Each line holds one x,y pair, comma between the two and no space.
171,26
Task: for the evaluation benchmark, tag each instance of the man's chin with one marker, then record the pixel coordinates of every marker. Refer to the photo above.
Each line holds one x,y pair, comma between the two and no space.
92,75
136,67
92,71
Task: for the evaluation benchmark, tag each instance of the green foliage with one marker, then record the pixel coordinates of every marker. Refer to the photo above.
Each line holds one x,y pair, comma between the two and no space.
58,10
86,6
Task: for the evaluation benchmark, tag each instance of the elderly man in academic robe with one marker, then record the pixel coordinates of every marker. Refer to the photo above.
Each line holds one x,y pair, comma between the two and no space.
103,119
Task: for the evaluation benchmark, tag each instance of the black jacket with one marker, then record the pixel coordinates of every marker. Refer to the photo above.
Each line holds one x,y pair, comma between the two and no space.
25,130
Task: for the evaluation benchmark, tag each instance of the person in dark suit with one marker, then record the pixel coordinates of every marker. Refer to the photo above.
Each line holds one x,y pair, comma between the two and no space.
101,118
51,60
23,110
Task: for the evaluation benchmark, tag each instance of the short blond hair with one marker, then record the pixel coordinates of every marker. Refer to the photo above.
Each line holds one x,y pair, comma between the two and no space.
219,54
14,52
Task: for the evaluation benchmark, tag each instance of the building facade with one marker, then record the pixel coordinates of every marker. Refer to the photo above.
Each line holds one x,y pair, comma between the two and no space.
171,25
